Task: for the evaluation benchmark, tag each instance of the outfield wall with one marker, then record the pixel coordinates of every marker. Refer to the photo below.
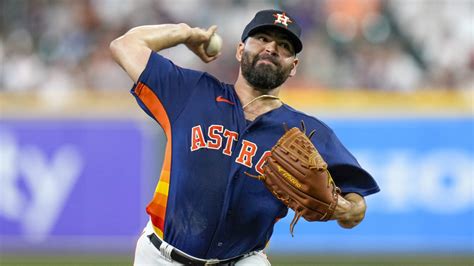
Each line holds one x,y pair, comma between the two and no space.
77,172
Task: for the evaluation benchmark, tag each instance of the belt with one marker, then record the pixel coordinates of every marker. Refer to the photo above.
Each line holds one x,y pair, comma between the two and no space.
185,259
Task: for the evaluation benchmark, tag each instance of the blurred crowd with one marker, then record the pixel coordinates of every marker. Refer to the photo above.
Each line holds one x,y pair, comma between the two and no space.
401,45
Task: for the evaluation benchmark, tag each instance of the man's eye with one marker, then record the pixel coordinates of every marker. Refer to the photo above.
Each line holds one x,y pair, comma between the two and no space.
286,46
263,38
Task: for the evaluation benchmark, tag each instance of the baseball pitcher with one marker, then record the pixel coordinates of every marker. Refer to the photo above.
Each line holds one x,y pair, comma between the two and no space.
237,157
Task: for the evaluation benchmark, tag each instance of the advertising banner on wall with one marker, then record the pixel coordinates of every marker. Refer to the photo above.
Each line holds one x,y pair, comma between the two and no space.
71,182
85,184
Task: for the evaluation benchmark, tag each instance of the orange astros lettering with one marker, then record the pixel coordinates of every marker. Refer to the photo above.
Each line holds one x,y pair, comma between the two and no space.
247,152
197,139
217,137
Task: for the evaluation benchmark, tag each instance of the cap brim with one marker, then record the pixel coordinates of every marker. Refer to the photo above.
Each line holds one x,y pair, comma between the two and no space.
295,40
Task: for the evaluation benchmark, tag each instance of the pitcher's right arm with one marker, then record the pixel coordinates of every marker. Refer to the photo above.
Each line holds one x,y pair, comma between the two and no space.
132,50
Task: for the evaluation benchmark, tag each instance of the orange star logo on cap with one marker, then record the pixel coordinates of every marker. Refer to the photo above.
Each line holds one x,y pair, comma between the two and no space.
282,19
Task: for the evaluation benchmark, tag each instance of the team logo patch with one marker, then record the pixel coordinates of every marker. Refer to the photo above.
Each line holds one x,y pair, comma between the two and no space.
282,19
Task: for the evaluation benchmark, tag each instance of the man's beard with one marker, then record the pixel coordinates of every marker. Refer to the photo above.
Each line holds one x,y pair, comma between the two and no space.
263,77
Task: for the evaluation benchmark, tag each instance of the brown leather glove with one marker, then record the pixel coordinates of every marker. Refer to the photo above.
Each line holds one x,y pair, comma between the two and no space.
297,175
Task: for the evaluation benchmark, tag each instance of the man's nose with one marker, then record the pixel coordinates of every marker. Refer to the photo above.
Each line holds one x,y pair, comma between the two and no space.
271,47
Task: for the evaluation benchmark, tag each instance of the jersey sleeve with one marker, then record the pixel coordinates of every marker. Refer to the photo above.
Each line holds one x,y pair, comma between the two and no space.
163,88
346,171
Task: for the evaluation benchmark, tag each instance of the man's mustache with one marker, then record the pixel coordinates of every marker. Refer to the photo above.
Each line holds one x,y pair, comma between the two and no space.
267,57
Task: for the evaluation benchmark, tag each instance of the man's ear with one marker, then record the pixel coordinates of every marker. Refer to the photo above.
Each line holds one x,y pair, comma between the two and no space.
239,51
293,68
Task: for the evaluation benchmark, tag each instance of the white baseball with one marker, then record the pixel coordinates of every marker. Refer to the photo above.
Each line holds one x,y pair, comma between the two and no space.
214,46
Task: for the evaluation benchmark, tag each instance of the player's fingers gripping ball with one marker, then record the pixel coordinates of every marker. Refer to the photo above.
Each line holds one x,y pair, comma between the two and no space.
297,175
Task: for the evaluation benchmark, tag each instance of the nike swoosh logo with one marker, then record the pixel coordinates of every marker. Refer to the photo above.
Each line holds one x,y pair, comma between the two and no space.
222,99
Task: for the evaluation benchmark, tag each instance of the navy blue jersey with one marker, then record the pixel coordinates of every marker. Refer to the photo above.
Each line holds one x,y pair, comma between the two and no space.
205,204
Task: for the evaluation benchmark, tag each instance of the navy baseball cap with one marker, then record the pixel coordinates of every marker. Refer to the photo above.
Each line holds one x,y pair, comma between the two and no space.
271,18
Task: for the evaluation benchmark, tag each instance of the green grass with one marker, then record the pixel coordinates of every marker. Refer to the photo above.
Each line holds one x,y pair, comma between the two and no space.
111,259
